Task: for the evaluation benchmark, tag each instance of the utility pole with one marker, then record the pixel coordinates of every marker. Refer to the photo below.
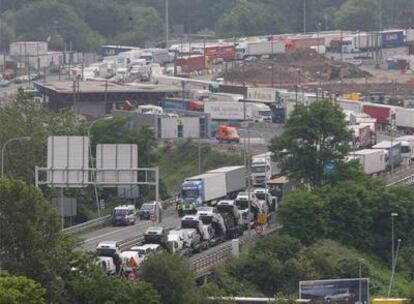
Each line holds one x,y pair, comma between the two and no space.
304,16
166,24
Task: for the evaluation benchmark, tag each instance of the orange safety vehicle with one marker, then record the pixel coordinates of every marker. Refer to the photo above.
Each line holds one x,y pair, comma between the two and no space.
227,134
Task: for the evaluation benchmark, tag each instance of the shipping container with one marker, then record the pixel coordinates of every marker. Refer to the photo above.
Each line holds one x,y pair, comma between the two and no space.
213,185
380,113
225,52
409,36
28,48
393,38
393,152
404,117
191,63
247,49
371,160
303,43
235,177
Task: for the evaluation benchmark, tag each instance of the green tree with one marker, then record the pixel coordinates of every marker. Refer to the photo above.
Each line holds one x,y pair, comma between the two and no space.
42,19
315,138
17,290
25,118
30,239
92,286
357,15
250,18
172,277
303,215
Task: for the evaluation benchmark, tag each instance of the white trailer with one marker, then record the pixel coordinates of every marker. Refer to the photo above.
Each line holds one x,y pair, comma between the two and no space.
235,177
213,185
231,110
260,48
371,160
404,117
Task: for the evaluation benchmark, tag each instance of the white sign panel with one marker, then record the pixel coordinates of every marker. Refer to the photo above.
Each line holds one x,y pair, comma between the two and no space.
67,161
112,158
261,94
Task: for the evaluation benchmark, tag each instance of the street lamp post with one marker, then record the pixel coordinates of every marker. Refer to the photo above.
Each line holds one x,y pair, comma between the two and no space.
393,268
3,148
98,209
166,24
392,238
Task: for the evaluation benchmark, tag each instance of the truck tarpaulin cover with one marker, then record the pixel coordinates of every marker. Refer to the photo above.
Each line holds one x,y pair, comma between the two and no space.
349,291
382,114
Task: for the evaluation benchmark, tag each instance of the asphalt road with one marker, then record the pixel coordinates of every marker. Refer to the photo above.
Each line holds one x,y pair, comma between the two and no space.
91,239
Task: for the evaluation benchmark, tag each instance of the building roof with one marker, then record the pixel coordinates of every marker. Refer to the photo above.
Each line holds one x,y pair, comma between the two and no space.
66,87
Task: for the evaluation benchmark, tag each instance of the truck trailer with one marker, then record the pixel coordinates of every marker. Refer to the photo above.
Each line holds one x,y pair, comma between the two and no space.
260,48
210,187
237,111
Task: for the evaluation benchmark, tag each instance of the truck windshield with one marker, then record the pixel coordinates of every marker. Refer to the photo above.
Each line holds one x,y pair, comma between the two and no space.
189,224
260,196
405,149
242,204
120,212
189,193
265,113
106,252
258,169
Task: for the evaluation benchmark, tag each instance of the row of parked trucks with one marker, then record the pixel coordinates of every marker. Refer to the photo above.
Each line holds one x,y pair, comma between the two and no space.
214,207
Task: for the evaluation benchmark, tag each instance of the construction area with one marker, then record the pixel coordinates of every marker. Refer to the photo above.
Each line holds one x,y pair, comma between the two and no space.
309,70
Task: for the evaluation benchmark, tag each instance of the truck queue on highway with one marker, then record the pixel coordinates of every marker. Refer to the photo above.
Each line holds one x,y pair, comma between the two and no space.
213,207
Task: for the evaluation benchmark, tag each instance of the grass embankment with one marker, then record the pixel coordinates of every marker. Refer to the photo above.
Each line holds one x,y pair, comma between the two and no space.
277,263
181,161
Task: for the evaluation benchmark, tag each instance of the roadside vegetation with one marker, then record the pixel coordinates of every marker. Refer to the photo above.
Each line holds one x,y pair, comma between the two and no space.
336,220
180,161
84,25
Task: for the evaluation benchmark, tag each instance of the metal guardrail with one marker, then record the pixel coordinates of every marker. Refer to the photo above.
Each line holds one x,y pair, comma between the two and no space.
407,181
105,220
203,265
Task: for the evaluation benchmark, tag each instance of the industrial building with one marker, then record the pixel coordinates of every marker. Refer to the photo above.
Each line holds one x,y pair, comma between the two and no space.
184,124
97,98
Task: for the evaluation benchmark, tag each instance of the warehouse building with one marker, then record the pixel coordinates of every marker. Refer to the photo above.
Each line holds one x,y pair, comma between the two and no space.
97,98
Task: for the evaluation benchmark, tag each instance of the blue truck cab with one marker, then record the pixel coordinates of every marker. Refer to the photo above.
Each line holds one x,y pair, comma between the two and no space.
192,192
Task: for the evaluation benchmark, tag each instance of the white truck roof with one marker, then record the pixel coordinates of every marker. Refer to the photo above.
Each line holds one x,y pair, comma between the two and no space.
107,244
225,169
386,144
123,207
367,152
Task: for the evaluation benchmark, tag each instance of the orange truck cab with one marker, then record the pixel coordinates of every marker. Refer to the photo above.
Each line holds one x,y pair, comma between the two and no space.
228,134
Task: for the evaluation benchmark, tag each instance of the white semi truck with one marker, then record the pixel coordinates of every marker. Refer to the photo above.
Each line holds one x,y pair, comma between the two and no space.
238,111
259,48
211,187
263,169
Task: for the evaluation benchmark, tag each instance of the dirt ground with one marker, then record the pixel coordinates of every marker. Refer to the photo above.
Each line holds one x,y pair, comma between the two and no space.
299,67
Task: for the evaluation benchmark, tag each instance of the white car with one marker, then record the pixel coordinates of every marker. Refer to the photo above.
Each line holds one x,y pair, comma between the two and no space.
341,295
